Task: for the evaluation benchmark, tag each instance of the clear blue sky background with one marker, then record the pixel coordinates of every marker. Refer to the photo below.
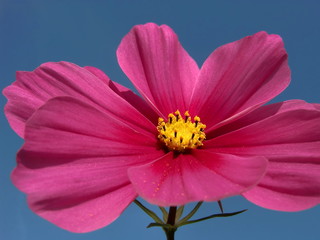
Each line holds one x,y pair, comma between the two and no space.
87,32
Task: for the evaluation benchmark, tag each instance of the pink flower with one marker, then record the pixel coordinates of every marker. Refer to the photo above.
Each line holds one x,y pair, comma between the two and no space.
92,146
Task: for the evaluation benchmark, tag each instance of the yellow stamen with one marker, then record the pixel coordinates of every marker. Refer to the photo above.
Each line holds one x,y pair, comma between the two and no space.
179,134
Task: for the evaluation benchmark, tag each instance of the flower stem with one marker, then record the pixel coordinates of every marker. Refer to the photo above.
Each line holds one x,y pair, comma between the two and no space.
172,216
171,221
170,235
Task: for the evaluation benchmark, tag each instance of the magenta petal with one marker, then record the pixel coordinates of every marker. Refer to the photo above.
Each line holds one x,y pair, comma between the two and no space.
86,216
136,101
73,165
98,73
240,76
257,115
288,135
288,186
316,106
162,71
80,197
200,176
32,89
288,122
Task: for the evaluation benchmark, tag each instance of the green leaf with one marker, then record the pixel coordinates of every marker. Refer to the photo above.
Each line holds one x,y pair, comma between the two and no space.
149,212
194,210
209,217
164,214
179,213
220,206
163,225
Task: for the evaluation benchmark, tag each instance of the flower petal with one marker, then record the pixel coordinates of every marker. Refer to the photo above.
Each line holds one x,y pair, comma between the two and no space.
288,186
239,77
288,135
257,115
136,101
32,89
162,71
317,106
201,176
89,215
73,165
98,73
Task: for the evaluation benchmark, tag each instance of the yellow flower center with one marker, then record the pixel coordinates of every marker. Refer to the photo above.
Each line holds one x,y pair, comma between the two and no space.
180,134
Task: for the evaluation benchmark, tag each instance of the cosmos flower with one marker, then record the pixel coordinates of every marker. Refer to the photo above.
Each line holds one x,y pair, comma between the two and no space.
92,146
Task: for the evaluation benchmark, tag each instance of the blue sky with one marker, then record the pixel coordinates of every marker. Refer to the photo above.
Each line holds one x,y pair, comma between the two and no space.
88,33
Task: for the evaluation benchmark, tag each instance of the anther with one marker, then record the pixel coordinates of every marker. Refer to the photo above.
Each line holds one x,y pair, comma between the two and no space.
181,133
186,114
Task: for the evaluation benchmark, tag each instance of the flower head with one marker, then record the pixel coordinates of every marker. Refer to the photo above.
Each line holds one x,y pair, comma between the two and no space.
92,146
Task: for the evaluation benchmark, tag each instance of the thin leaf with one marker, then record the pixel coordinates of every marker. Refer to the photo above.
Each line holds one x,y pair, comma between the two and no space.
179,213
194,210
220,206
211,216
149,212
164,225
164,214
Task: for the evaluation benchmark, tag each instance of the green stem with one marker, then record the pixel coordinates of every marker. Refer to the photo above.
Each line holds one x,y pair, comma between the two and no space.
171,221
170,235
172,215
